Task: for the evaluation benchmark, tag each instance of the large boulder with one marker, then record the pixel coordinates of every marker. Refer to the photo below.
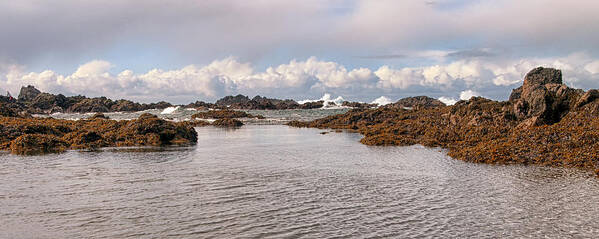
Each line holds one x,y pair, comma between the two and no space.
99,104
48,102
28,93
543,98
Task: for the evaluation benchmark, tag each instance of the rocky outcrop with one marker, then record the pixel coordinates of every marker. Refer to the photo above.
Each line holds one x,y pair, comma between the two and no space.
543,98
37,102
28,93
256,103
312,105
416,102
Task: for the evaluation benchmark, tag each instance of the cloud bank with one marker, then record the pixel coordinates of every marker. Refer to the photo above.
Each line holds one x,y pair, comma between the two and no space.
307,79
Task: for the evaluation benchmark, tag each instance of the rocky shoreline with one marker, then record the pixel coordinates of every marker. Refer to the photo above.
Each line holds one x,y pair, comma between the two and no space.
543,123
33,101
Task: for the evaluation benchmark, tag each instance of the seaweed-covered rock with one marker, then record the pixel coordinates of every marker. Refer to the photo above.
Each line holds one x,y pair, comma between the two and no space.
227,122
33,144
99,104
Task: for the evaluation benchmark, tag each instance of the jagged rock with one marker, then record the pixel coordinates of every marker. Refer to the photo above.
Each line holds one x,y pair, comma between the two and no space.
416,102
28,93
48,102
125,106
230,100
587,97
99,104
544,96
312,105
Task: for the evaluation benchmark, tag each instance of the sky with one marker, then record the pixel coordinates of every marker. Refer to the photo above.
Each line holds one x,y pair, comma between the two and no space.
362,50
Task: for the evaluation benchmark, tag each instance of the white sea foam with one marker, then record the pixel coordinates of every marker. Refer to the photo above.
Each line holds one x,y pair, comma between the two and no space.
447,100
169,110
328,99
382,101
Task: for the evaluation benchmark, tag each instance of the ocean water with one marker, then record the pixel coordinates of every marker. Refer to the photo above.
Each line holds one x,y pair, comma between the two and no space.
274,181
183,114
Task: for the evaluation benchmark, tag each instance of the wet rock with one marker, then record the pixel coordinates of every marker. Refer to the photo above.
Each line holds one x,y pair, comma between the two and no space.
227,122
312,105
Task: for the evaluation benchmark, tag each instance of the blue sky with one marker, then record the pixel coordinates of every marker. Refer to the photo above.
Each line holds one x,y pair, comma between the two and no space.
184,51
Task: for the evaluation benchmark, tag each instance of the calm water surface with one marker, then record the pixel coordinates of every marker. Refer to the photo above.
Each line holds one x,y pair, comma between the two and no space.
280,182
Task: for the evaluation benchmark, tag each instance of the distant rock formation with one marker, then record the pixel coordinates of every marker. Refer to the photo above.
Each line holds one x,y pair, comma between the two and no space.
36,102
416,102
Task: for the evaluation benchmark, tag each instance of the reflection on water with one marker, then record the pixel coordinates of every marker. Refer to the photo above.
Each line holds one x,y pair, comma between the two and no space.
276,181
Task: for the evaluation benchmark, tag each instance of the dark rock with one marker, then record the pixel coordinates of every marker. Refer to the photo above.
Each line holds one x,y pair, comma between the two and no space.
359,105
125,106
416,102
543,96
28,93
231,100
99,104
312,105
